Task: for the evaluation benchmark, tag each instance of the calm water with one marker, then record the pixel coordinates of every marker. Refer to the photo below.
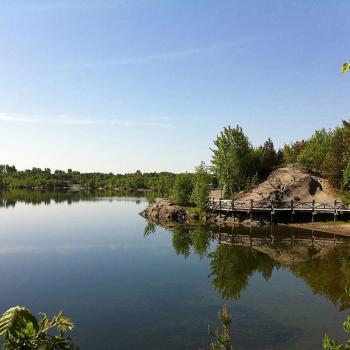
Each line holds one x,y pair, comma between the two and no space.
128,284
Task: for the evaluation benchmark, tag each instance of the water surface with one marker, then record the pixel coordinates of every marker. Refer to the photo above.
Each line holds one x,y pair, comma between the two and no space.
128,284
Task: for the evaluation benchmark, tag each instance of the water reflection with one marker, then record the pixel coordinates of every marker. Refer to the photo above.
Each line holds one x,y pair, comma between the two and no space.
320,259
328,275
150,229
232,266
11,198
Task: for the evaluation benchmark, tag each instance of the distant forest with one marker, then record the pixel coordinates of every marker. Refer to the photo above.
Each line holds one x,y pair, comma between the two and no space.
235,165
11,178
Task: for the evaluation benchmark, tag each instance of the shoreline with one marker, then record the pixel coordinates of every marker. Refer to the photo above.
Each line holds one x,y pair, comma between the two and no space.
337,229
168,212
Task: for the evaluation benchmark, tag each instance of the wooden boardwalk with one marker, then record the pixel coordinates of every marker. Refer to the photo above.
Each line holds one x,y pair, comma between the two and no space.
251,240
230,207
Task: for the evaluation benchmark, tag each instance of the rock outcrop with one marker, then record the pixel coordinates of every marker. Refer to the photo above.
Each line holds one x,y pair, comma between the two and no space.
290,182
164,210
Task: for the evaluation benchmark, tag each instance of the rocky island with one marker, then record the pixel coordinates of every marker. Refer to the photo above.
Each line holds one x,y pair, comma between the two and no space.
284,184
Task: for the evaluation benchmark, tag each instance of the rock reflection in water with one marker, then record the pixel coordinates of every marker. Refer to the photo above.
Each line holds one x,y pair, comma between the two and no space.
322,260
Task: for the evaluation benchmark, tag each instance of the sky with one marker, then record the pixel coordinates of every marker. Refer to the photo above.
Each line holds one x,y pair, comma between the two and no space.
117,86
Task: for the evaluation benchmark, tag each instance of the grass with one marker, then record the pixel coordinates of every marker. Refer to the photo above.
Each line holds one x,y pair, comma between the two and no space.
334,223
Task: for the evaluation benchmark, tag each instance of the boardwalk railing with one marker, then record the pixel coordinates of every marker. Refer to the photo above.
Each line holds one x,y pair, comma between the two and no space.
257,241
224,205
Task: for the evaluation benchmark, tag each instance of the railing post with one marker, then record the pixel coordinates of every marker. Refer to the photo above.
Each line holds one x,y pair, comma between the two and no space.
251,209
313,210
291,210
220,208
271,213
335,210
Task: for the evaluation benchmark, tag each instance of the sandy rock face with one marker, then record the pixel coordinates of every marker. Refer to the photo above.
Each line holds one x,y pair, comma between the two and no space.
289,183
164,210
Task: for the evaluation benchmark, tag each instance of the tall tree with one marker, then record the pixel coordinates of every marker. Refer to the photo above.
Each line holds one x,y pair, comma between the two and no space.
269,157
230,159
200,194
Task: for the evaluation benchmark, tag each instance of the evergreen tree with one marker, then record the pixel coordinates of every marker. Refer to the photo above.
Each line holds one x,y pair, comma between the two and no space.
269,157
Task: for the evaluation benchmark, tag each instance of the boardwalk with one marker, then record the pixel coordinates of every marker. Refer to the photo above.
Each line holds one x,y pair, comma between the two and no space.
230,207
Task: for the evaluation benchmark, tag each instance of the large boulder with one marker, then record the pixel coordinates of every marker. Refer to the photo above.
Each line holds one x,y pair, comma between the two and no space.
164,210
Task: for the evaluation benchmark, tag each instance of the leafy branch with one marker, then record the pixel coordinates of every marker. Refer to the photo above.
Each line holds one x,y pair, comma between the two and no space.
222,337
20,329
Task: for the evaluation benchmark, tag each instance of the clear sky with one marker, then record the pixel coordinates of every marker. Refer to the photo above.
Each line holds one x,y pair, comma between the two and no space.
144,84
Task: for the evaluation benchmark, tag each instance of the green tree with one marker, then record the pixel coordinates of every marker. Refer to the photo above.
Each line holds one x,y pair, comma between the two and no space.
231,158
200,194
182,189
339,154
151,197
20,329
292,151
346,178
316,150
268,157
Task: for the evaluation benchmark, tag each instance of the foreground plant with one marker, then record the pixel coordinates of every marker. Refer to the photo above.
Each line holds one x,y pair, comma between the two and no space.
332,344
20,329
345,67
222,337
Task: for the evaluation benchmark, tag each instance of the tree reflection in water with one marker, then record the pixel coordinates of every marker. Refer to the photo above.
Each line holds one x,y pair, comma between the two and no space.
150,229
325,270
231,267
328,275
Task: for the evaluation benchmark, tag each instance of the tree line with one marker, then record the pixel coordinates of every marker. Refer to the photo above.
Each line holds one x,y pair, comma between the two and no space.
326,152
235,165
11,178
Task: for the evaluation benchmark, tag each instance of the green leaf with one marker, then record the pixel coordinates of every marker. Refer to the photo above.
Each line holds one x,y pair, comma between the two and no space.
15,320
345,67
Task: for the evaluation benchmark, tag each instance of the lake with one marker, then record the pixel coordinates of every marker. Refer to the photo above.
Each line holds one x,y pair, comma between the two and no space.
129,284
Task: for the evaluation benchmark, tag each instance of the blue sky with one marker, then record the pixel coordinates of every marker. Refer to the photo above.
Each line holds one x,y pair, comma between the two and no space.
125,85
